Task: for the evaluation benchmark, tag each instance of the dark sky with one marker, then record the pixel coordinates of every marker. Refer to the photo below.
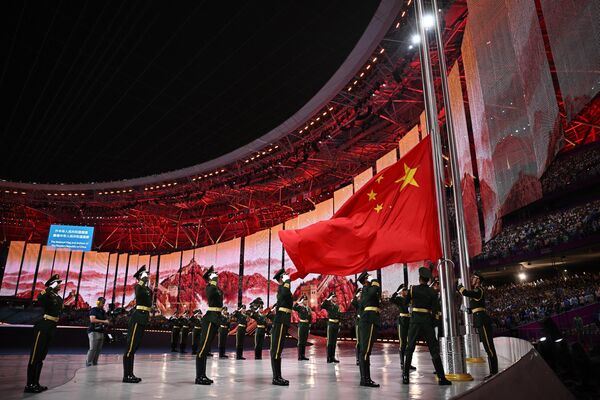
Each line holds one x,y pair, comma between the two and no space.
105,90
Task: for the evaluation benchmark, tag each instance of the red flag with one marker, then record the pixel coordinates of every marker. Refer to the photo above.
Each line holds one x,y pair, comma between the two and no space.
391,219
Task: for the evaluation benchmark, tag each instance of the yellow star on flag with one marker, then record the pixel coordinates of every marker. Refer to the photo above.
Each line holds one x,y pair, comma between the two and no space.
379,179
372,195
378,208
408,178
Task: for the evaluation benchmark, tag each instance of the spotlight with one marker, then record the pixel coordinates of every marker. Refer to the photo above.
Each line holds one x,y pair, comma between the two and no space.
543,339
415,39
428,21
558,340
522,276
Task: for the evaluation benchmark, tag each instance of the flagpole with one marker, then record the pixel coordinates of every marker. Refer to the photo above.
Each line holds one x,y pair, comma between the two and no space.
450,344
471,338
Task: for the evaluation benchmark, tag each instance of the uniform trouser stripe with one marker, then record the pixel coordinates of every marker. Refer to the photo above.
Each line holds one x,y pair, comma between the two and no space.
205,339
37,338
277,354
132,339
487,341
369,343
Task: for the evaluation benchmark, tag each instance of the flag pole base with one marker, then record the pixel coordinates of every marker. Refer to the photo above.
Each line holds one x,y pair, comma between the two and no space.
451,352
475,360
471,343
459,377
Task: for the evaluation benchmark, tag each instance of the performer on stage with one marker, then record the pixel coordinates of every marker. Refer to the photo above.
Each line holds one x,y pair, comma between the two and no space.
137,323
333,325
224,326
242,321
256,308
370,301
305,316
481,320
210,324
175,331
281,323
185,330
43,333
399,299
424,304
196,325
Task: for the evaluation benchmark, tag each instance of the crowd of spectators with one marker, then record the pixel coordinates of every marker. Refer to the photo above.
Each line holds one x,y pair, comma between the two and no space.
516,304
543,231
574,168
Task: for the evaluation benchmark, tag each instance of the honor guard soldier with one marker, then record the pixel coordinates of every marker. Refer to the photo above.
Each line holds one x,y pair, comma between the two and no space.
481,320
362,279
224,326
399,299
437,318
240,332
175,331
43,333
370,301
256,308
185,330
305,316
333,325
281,323
424,303
210,324
138,320
196,325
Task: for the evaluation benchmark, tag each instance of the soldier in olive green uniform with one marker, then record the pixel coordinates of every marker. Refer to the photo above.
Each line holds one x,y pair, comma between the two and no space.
424,303
224,326
175,331
399,299
137,323
256,308
185,330
196,325
482,321
362,279
333,325
370,300
305,316
43,332
210,324
281,323
242,321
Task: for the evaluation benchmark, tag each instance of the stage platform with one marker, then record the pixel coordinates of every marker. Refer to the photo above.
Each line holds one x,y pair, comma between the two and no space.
171,376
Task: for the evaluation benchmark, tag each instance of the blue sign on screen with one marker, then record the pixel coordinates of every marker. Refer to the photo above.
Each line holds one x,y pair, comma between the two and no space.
71,237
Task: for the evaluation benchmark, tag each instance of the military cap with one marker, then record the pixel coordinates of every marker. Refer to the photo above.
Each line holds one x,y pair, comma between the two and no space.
138,273
53,278
477,275
424,273
278,274
208,272
363,277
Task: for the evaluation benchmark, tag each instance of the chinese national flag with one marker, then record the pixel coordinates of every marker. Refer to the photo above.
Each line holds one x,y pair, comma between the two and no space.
391,219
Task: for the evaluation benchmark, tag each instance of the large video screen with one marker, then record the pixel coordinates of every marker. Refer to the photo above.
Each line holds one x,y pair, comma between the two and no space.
71,237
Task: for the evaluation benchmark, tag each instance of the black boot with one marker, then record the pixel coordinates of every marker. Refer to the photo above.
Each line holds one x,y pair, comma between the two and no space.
402,360
38,372
493,365
128,376
283,382
222,353
368,380
201,378
405,371
299,353
439,370
31,387
357,355
257,354
303,357
239,354
131,362
361,367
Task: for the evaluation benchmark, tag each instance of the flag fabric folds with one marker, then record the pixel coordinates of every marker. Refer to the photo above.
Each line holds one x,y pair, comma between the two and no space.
391,219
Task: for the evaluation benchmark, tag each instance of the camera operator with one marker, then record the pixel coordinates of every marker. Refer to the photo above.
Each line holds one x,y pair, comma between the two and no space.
96,331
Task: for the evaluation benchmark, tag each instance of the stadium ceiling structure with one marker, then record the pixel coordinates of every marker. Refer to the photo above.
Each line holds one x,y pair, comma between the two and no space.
365,105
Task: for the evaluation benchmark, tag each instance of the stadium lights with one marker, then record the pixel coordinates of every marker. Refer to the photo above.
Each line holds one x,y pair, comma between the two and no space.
428,21
543,339
415,39
381,51
398,25
558,340
522,276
